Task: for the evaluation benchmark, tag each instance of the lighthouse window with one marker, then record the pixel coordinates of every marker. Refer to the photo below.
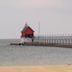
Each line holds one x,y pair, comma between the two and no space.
26,35
30,35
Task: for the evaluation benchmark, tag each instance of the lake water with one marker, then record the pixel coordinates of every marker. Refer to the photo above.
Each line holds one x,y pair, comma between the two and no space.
31,55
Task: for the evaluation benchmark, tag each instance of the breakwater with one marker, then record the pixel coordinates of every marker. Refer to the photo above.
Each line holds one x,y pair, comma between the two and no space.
42,44
53,41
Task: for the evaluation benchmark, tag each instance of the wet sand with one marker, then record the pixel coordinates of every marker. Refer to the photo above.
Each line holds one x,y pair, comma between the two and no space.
49,68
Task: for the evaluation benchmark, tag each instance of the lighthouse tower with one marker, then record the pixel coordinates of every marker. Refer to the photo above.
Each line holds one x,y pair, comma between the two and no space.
27,34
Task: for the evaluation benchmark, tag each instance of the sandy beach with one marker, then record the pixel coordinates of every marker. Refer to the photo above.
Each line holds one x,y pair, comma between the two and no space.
49,68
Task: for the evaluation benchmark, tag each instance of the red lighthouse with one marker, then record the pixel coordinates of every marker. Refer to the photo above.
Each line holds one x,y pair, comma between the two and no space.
27,34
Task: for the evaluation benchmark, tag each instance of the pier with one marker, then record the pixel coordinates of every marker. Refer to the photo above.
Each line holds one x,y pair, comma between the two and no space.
42,44
55,41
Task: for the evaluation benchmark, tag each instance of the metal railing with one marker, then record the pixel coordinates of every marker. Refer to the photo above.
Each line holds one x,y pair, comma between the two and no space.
64,40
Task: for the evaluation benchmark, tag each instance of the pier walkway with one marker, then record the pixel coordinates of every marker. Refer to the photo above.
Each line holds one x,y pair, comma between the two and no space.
53,41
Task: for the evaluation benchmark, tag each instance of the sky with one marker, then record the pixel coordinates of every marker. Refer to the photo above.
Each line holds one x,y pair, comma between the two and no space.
54,17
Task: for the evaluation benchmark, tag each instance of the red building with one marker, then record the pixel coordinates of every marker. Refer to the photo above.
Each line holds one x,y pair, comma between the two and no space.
27,32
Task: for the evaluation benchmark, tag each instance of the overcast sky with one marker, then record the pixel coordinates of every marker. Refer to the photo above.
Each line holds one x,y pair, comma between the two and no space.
55,17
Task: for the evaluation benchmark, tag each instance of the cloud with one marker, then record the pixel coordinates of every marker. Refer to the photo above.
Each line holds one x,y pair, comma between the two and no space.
49,3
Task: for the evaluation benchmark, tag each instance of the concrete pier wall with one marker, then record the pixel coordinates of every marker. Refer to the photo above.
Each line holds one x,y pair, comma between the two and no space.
25,40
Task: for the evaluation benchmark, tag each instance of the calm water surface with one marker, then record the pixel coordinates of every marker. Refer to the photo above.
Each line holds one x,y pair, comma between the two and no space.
31,55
